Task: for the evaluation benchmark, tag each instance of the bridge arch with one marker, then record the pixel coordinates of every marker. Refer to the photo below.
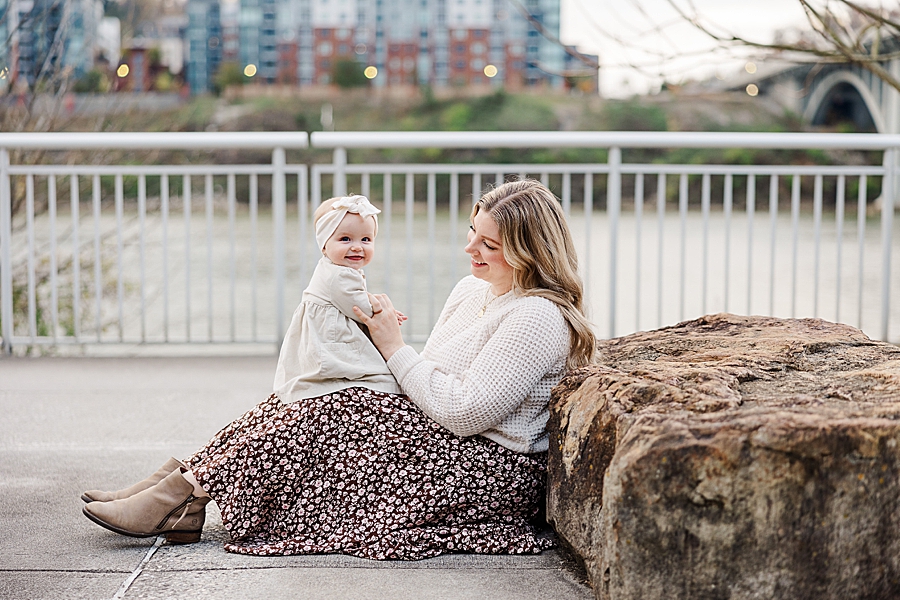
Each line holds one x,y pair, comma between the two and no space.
836,82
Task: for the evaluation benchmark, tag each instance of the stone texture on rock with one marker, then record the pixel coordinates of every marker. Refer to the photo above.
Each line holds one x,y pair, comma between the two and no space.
735,458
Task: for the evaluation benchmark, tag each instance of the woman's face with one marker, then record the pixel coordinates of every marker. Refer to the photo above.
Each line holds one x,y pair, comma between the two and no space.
486,251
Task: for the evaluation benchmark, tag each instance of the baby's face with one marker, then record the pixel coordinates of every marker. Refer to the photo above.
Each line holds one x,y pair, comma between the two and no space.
353,242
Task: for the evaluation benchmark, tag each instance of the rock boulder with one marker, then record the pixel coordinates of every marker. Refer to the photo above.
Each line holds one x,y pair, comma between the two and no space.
735,458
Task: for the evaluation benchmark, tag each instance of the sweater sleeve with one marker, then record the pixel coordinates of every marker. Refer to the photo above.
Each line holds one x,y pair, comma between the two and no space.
459,293
529,342
347,289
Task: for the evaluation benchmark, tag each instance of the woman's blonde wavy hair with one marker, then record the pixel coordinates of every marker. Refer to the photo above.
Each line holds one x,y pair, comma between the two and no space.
538,246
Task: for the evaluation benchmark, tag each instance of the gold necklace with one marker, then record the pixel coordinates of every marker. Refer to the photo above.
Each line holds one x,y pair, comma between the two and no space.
486,303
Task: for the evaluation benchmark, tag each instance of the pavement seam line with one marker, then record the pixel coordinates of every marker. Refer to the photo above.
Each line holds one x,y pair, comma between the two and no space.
134,575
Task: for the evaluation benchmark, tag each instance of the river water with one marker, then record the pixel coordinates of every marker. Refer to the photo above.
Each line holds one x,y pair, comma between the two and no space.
198,287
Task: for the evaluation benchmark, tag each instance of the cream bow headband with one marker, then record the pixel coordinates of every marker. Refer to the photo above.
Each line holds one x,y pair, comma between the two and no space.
328,223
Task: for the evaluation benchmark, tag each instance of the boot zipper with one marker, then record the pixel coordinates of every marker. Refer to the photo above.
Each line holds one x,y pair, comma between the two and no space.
184,505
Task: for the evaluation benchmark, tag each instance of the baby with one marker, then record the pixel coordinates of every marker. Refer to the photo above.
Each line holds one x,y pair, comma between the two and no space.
325,348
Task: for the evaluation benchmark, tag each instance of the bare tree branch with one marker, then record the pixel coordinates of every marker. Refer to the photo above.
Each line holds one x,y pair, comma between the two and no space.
847,46
883,18
653,66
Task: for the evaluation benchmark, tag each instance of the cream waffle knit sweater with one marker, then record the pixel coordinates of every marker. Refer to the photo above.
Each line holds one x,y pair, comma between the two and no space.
489,375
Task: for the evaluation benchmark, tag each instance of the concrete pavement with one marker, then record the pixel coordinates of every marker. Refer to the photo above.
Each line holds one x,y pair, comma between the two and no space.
69,424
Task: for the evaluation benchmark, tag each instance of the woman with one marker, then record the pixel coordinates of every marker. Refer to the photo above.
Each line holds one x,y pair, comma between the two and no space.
457,464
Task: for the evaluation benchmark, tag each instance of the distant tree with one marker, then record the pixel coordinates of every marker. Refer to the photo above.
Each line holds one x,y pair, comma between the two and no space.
164,82
349,74
456,117
34,100
93,82
229,74
154,57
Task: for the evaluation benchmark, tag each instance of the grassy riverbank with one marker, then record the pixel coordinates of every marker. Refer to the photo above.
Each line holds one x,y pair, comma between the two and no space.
362,110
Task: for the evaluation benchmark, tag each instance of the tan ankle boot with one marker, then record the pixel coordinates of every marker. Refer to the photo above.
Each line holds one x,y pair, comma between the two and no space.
168,508
98,496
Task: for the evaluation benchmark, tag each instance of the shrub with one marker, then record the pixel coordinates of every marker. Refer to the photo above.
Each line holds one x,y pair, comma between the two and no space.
92,82
634,116
227,75
349,74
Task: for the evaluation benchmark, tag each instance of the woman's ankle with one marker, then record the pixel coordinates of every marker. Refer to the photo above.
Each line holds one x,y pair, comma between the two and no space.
199,492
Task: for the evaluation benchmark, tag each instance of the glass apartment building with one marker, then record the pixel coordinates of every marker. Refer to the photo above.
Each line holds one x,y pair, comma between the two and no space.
442,43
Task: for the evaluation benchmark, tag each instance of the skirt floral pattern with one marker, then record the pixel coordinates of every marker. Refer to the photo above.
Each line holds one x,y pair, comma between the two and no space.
368,474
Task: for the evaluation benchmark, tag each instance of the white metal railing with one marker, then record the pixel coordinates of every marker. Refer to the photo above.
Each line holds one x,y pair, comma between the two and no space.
661,244
132,269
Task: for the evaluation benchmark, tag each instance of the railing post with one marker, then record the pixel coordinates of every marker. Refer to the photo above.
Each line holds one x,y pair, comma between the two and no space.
888,197
279,202
6,291
340,172
613,208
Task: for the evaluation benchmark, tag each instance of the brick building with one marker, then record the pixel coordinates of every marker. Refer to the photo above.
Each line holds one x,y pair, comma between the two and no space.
442,43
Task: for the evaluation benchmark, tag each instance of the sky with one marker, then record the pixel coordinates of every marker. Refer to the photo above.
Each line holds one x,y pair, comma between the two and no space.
638,40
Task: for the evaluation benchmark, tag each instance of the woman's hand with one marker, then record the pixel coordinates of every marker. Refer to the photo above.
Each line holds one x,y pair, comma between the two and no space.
384,324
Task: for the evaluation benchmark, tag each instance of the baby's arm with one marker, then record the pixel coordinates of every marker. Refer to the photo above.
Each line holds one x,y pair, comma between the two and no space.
348,289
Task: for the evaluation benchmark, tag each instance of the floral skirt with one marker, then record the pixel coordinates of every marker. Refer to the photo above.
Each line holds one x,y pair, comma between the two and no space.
368,474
